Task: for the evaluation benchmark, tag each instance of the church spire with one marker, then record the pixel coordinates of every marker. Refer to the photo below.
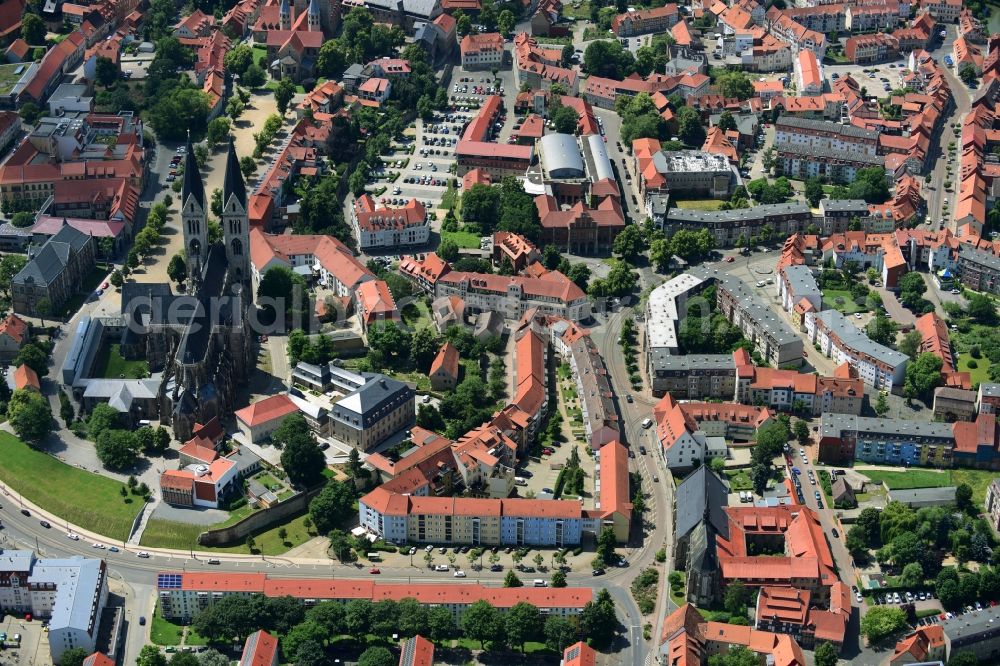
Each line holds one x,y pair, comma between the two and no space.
233,184
192,177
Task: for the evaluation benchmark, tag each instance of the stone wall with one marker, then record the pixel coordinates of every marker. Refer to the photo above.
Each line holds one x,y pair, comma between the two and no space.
257,521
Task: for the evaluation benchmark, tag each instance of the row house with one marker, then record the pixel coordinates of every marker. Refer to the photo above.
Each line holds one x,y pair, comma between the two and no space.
879,366
644,21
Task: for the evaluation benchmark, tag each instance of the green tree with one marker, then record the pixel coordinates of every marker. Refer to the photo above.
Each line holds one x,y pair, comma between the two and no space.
880,622
726,122
283,94
117,449
332,60
910,344
736,598
982,309
376,656
565,119
923,375
522,623
598,620
689,127
218,130
254,77
482,622
33,356
150,655
511,579
177,268
332,506
238,59
881,404
629,242
283,290
301,457
106,72
33,29
247,166
881,329
737,656
73,657
173,115
560,633
448,250
608,59
825,654
963,658
735,84
963,497
30,113
30,415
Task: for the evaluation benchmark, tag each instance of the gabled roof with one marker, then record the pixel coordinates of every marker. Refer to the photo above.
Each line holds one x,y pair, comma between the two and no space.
446,361
192,178
268,409
233,184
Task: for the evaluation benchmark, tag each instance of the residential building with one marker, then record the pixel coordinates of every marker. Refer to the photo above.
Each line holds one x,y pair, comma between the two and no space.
389,228
603,92
390,11
14,332
373,408
183,594
55,272
477,150
514,249
974,633
684,172
579,654
540,66
879,366
374,304
425,270
200,485
417,651
946,11
69,593
444,369
871,49
693,376
803,558
260,649
322,255
844,437
644,21
926,645
512,296
258,421
732,228
988,398
979,270
688,639
808,74
811,148
23,377
482,51
954,404
993,502
796,284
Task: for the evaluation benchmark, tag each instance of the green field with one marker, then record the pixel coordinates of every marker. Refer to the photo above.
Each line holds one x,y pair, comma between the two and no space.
164,632
700,204
462,239
417,315
981,373
110,364
182,536
8,78
977,479
847,307
76,496
739,480
911,478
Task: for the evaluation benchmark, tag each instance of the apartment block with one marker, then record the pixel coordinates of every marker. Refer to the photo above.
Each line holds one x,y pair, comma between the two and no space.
978,269
182,595
879,366
482,51
843,438
641,22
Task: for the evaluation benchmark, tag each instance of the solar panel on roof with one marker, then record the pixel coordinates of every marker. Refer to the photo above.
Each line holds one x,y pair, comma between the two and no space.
170,581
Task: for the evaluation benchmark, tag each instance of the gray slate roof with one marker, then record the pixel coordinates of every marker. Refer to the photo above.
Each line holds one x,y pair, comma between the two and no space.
794,122
856,340
757,213
51,259
834,424
701,495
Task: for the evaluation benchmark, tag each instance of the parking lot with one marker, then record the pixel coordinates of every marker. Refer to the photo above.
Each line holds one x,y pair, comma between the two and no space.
878,79
543,474
33,646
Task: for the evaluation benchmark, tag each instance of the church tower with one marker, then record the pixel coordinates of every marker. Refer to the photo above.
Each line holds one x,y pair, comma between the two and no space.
193,216
315,18
285,15
235,220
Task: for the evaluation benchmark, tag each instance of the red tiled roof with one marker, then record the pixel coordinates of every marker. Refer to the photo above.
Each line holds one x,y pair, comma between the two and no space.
268,409
25,377
14,327
446,361
260,649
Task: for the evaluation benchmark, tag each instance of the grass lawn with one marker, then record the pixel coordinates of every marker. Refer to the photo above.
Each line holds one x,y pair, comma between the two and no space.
258,53
981,373
168,534
449,197
417,315
739,480
110,364
462,239
163,631
978,479
8,78
79,497
700,204
911,478
848,306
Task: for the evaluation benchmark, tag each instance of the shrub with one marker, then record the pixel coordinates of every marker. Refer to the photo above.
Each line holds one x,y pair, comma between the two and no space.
975,352
972,365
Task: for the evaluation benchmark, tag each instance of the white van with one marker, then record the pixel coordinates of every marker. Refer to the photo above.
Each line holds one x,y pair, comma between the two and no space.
540,582
520,481
374,557
647,423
